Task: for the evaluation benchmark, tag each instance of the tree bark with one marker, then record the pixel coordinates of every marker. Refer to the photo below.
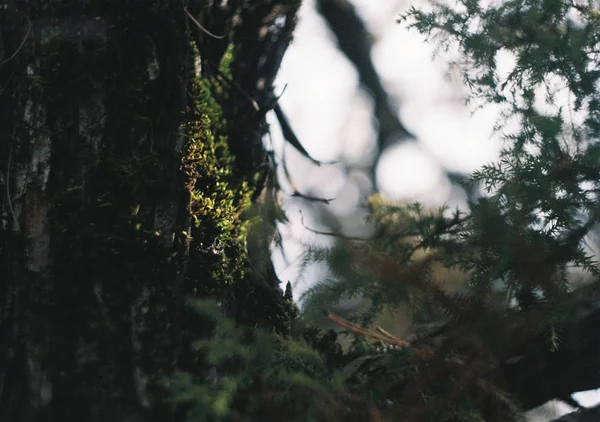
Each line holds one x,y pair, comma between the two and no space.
95,252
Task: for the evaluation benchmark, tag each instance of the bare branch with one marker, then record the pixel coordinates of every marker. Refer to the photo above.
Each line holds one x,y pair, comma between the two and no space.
206,31
385,337
354,41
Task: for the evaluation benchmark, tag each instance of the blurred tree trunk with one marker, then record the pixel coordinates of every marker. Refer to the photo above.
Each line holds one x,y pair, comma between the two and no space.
95,252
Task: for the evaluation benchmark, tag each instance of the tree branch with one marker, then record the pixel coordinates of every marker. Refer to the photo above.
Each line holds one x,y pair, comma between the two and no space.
535,374
531,372
355,42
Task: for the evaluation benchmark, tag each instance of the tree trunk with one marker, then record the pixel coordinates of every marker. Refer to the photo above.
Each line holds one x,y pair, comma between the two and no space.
98,245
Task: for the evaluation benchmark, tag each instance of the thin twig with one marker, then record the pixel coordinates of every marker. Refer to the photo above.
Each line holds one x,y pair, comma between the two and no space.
20,46
289,135
332,234
295,192
12,211
206,31
312,198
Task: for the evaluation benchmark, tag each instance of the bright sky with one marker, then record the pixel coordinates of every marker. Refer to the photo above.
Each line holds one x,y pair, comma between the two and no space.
333,120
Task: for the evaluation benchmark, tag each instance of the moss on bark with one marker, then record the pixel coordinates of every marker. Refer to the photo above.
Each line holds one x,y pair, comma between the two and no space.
120,198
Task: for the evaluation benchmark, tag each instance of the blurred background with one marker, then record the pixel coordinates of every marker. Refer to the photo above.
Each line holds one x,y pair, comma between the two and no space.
365,96
383,111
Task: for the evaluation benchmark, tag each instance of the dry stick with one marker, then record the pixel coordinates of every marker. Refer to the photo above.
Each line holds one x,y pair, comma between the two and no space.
387,338
385,333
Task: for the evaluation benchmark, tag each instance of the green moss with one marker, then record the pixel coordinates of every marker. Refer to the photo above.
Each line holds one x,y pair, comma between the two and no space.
227,61
218,196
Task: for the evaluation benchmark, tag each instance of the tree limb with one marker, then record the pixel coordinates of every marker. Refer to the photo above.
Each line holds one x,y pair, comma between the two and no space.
355,42
535,374
530,371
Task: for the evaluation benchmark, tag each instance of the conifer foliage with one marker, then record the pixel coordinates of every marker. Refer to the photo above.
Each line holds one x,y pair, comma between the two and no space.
529,214
528,218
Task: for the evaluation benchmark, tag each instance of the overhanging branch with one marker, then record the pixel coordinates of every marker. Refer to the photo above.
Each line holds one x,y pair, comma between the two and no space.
537,374
522,359
354,40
